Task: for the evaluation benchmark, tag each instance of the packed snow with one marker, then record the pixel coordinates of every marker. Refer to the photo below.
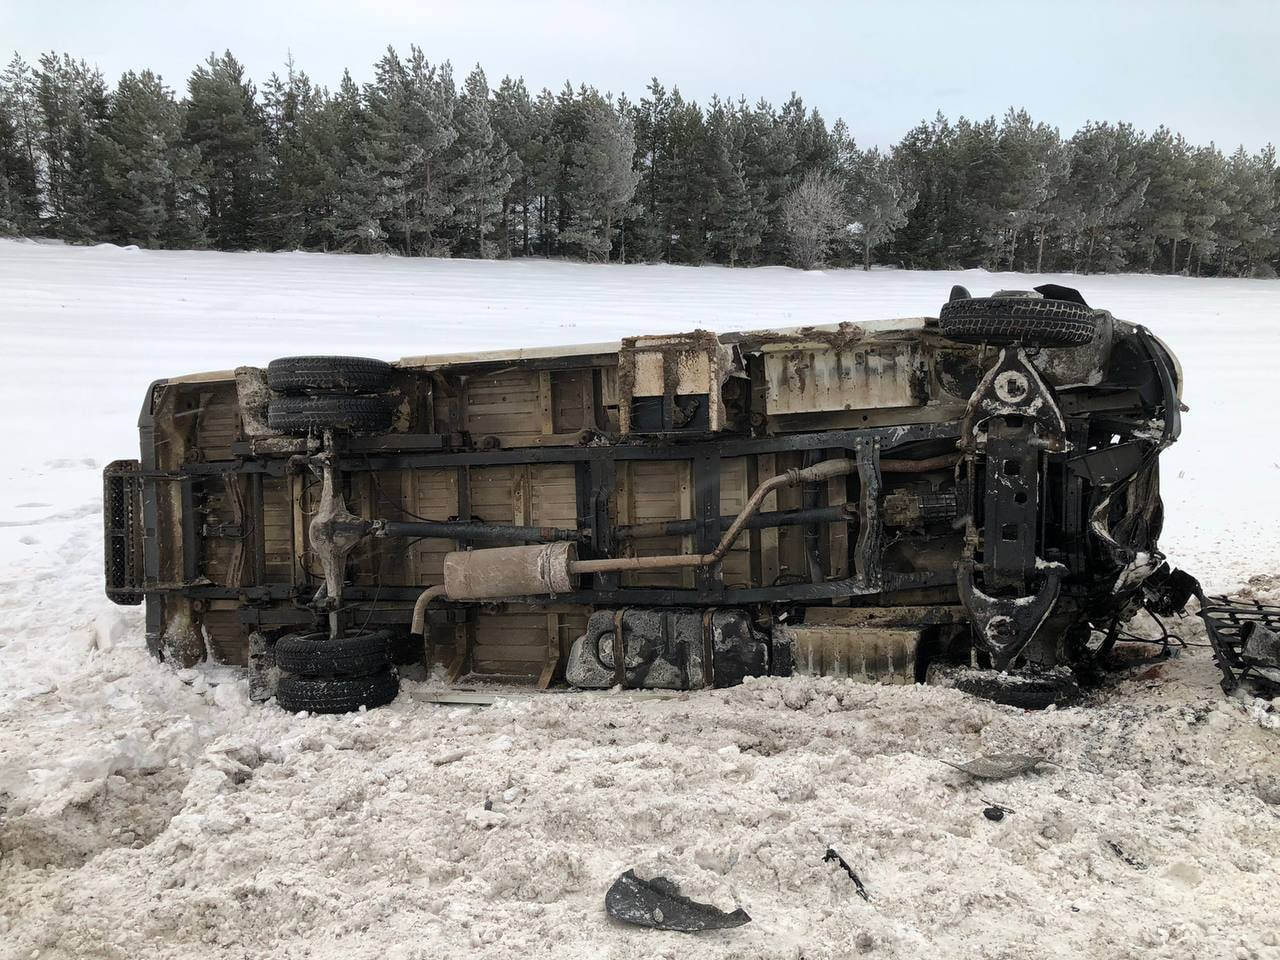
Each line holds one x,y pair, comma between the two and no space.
148,812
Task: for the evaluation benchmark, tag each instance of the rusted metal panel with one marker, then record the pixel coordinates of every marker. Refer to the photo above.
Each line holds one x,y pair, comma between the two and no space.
808,378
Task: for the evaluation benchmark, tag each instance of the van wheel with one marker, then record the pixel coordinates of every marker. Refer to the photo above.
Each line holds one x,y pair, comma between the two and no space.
328,374
329,412
339,695
313,655
1027,320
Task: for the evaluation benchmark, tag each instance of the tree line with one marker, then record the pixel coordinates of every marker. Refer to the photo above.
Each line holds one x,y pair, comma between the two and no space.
415,163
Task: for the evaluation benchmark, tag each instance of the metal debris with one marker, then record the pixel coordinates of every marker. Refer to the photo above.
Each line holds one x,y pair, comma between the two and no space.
1127,857
994,814
831,856
657,903
1000,766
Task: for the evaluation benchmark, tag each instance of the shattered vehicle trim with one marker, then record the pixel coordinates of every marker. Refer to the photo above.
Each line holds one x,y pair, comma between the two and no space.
679,511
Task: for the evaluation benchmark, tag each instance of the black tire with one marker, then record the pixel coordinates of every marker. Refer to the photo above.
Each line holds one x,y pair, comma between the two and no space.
406,649
340,695
329,411
328,375
1027,691
313,655
1047,323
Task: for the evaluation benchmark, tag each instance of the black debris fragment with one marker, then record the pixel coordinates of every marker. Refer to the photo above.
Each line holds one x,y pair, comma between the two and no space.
994,814
832,856
657,903
1124,855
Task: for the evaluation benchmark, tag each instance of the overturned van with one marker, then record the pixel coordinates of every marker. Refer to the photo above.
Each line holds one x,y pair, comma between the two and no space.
970,498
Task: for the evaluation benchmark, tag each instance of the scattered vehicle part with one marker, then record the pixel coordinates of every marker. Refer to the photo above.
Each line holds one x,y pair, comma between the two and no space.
1028,689
1127,857
674,512
999,766
993,813
657,903
831,856
1243,636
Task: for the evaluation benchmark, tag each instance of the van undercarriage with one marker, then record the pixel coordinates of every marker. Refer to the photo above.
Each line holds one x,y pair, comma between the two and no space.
888,501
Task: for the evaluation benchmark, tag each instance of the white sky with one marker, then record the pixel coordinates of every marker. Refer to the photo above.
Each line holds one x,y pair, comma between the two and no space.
1210,69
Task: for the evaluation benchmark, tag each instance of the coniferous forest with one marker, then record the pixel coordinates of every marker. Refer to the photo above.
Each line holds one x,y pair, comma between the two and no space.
418,163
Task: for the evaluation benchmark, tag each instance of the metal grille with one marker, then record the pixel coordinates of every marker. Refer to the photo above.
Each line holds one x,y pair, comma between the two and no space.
1225,619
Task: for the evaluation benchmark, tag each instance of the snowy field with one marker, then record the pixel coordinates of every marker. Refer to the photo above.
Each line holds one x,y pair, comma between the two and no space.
146,813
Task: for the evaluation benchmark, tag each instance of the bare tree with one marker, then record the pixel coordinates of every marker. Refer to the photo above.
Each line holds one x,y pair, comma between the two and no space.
813,216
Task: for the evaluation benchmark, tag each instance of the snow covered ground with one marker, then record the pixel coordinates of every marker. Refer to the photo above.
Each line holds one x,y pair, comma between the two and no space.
148,813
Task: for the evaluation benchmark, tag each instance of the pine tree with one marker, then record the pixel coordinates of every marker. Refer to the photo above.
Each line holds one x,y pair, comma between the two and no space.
599,178
1206,203
692,191
224,123
481,168
19,189
769,155
1103,191
410,109
71,99
879,201
651,120
1248,232
1163,161
734,224
291,108
149,169
349,210
1033,164
515,122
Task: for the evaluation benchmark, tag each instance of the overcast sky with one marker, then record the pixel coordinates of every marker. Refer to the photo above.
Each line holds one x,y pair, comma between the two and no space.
1210,69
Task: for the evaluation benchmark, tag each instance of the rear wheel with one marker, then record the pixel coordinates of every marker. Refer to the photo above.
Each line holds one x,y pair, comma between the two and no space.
328,411
328,375
317,655
337,695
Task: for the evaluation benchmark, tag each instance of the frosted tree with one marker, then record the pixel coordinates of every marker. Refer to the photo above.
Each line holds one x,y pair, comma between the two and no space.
734,222
1034,167
516,122
481,167
224,123
879,201
19,189
1103,191
1248,231
410,113
813,217
149,168
71,98
599,178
